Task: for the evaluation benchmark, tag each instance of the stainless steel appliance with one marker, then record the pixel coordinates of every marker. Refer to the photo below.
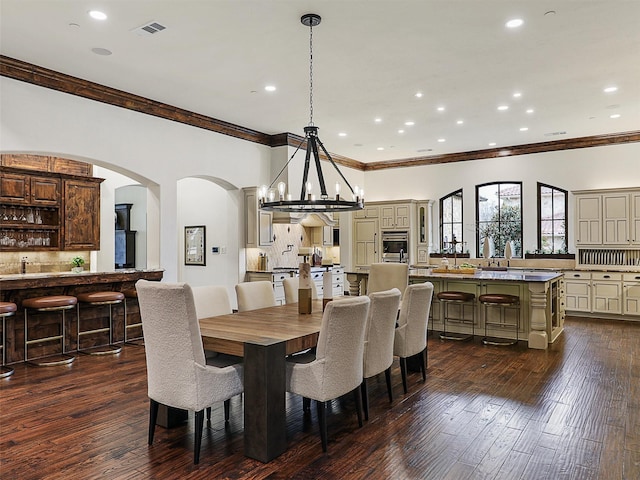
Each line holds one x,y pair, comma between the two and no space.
395,247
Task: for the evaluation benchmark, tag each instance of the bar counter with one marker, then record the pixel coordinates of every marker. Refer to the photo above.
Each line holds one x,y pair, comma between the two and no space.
17,287
541,293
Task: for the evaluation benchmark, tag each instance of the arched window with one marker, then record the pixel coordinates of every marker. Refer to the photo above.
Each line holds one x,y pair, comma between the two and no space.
552,219
499,217
451,223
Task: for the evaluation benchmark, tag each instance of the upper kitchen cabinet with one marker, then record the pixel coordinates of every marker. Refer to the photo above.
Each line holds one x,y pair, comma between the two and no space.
82,214
258,223
369,211
396,217
47,204
608,217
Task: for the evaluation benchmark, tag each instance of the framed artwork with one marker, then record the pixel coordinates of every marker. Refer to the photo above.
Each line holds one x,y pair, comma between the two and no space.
195,245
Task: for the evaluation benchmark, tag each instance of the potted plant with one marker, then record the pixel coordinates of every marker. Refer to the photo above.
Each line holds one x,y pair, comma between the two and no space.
77,264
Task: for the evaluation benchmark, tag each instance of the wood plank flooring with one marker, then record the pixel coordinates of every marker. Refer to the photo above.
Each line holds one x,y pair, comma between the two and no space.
571,412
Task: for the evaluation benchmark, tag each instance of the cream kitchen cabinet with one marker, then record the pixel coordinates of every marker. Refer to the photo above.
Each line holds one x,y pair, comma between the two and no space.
258,223
395,217
578,291
366,248
322,236
369,211
631,294
608,217
606,292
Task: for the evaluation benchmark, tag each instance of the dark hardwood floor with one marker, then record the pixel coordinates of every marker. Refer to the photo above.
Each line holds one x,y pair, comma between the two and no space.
571,412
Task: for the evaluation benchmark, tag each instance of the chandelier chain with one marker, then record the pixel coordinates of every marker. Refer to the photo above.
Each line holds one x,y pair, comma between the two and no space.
311,74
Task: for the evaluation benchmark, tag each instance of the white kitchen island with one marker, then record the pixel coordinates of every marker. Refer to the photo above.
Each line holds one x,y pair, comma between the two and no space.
542,300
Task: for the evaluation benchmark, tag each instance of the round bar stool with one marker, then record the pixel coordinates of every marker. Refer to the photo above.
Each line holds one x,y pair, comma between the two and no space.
130,294
7,309
461,299
52,303
98,299
501,301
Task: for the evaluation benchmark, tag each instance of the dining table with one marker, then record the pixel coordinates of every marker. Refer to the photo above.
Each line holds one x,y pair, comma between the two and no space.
264,337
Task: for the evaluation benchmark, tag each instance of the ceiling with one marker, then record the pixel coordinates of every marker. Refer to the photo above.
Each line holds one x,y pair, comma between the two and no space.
370,59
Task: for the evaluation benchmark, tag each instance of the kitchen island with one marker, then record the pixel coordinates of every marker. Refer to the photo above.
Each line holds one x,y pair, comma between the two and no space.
541,293
17,287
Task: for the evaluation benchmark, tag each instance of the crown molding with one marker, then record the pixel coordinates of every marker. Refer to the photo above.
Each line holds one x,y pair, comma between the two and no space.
43,77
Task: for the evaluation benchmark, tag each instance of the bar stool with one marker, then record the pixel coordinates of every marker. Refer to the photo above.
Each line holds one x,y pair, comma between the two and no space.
7,309
98,299
53,303
461,299
502,301
130,294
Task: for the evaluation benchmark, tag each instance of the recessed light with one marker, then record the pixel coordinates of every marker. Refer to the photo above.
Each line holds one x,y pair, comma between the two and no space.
270,88
529,110
517,95
441,140
441,109
342,134
524,129
610,89
492,144
514,23
614,115
97,15
380,148
377,120
460,122
419,95
400,131
409,123
101,51
502,108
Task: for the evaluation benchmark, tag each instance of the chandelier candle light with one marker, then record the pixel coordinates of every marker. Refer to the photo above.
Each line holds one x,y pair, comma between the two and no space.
308,202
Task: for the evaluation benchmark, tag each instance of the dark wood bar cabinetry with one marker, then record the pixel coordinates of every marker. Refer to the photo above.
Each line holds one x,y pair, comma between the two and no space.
48,203
16,288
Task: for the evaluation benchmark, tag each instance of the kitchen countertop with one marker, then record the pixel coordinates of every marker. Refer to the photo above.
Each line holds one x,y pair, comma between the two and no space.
293,269
46,279
482,275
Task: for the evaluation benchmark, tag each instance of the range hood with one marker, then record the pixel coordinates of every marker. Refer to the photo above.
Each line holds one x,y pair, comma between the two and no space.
316,219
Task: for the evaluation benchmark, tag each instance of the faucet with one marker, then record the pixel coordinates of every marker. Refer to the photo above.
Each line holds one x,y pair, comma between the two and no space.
289,249
23,265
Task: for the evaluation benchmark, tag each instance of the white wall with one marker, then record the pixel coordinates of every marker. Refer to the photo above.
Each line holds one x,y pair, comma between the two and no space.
153,151
588,168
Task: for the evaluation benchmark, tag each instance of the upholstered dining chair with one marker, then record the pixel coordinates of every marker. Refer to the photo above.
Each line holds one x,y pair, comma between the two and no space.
378,340
254,295
336,368
385,276
411,332
291,285
211,301
177,374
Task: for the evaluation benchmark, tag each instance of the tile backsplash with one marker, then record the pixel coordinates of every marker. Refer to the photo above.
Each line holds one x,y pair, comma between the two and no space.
40,262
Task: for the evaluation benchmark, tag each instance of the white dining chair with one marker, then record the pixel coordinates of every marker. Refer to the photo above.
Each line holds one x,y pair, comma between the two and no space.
291,286
411,333
177,373
211,300
254,295
385,276
378,340
336,367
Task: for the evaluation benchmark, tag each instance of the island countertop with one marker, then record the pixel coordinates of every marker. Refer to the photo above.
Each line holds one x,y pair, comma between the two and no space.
480,275
63,279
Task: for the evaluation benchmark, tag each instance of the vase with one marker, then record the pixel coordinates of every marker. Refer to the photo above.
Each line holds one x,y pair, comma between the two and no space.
77,269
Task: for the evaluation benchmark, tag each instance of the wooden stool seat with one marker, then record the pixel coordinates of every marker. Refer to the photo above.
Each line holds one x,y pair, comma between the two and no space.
130,293
461,299
501,301
105,297
455,296
53,302
101,298
49,303
6,310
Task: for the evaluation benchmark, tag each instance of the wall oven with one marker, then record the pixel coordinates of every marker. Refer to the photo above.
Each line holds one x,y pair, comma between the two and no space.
395,247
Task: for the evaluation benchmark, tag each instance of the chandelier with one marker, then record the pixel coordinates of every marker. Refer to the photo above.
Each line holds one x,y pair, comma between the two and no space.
277,199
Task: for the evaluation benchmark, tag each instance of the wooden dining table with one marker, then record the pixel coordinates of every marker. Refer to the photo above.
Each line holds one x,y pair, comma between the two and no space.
264,337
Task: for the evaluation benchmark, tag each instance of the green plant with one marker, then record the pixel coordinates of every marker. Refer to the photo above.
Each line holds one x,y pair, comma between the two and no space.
77,261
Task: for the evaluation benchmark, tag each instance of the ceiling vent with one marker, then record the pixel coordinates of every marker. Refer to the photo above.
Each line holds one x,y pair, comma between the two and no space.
149,29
